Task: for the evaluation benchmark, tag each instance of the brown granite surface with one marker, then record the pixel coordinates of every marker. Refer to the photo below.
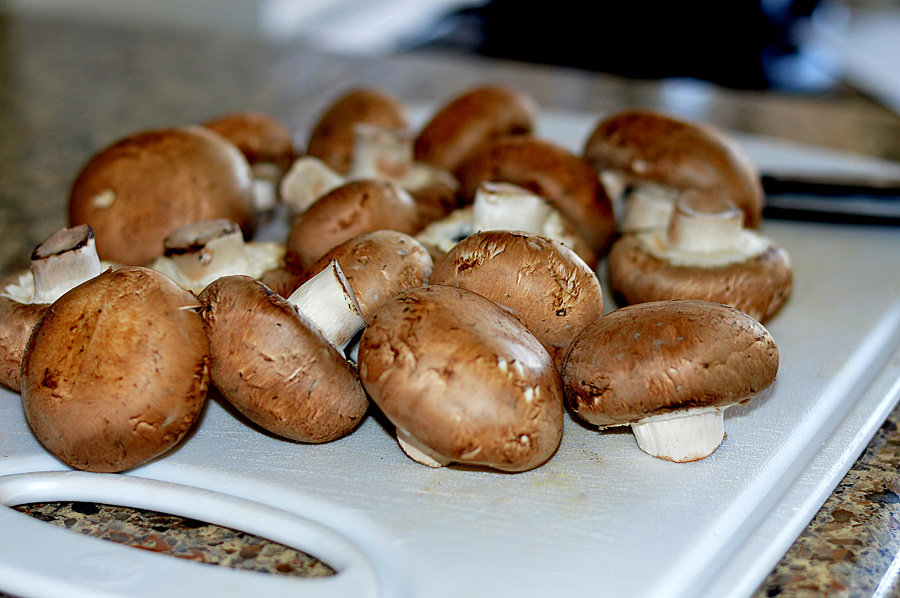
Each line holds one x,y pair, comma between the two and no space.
67,90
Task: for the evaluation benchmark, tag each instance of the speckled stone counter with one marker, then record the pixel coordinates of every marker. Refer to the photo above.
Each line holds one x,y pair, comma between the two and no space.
67,90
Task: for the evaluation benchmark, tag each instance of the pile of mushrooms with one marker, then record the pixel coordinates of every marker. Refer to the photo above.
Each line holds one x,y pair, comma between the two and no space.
447,277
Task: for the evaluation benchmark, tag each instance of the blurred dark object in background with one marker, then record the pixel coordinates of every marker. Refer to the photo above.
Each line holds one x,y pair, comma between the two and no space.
744,44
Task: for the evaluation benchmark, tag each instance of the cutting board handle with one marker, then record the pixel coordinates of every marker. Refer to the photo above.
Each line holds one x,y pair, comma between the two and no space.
38,559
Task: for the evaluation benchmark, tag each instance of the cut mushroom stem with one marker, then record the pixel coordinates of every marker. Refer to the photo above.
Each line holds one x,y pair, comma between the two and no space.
380,153
308,179
265,185
327,300
704,224
418,452
504,206
683,436
205,251
647,207
65,260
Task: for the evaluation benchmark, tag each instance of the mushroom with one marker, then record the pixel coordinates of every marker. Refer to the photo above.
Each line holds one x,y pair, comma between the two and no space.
504,206
280,361
382,154
352,209
66,259
649,157
462,380
266,144
544,284
565,180
116,371
669,369
197,254
704,253
136,191
378,266
332,138
470,121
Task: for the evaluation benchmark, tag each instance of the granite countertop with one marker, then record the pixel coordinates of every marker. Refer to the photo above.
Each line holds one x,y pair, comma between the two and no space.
67,90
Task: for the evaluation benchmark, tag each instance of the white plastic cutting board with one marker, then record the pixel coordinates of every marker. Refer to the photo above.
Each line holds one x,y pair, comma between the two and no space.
600,518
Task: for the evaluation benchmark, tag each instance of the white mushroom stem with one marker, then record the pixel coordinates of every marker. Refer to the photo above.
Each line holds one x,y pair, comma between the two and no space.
379,153
307,180
704,227
65,260
205,251
328,302
648,206
418,452
683,436
503,206
265,186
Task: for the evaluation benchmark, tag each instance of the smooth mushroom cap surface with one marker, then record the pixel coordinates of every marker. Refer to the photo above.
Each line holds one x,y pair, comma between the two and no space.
116,371
544,284
471,120
352,209
136,191
647,145
260,137
565,180
758,286
333,136
275,366
464,378
665,357
378,266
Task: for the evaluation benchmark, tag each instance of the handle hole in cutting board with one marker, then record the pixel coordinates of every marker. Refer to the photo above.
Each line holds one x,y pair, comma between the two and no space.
179,537
333,564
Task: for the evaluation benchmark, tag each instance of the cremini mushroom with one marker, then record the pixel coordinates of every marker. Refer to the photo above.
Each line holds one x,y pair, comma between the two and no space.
66,259
471,120
136,191
704,253
198,253
378,266
669,369
382,154
267,145
562,178
280,361
648,157
504,206
332,137
116,371
349,210
462,380
544,284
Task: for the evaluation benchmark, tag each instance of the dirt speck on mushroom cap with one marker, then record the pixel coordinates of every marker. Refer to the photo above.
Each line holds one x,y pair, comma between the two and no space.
116,371
667,356
464,378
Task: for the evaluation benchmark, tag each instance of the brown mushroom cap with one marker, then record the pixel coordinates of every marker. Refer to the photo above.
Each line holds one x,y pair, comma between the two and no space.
136,191
332,137
758,286
665,357
352,209
471,120
116,371
540,281
464,378
378,266
18,320
645,145
275,366
565,180
260,137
